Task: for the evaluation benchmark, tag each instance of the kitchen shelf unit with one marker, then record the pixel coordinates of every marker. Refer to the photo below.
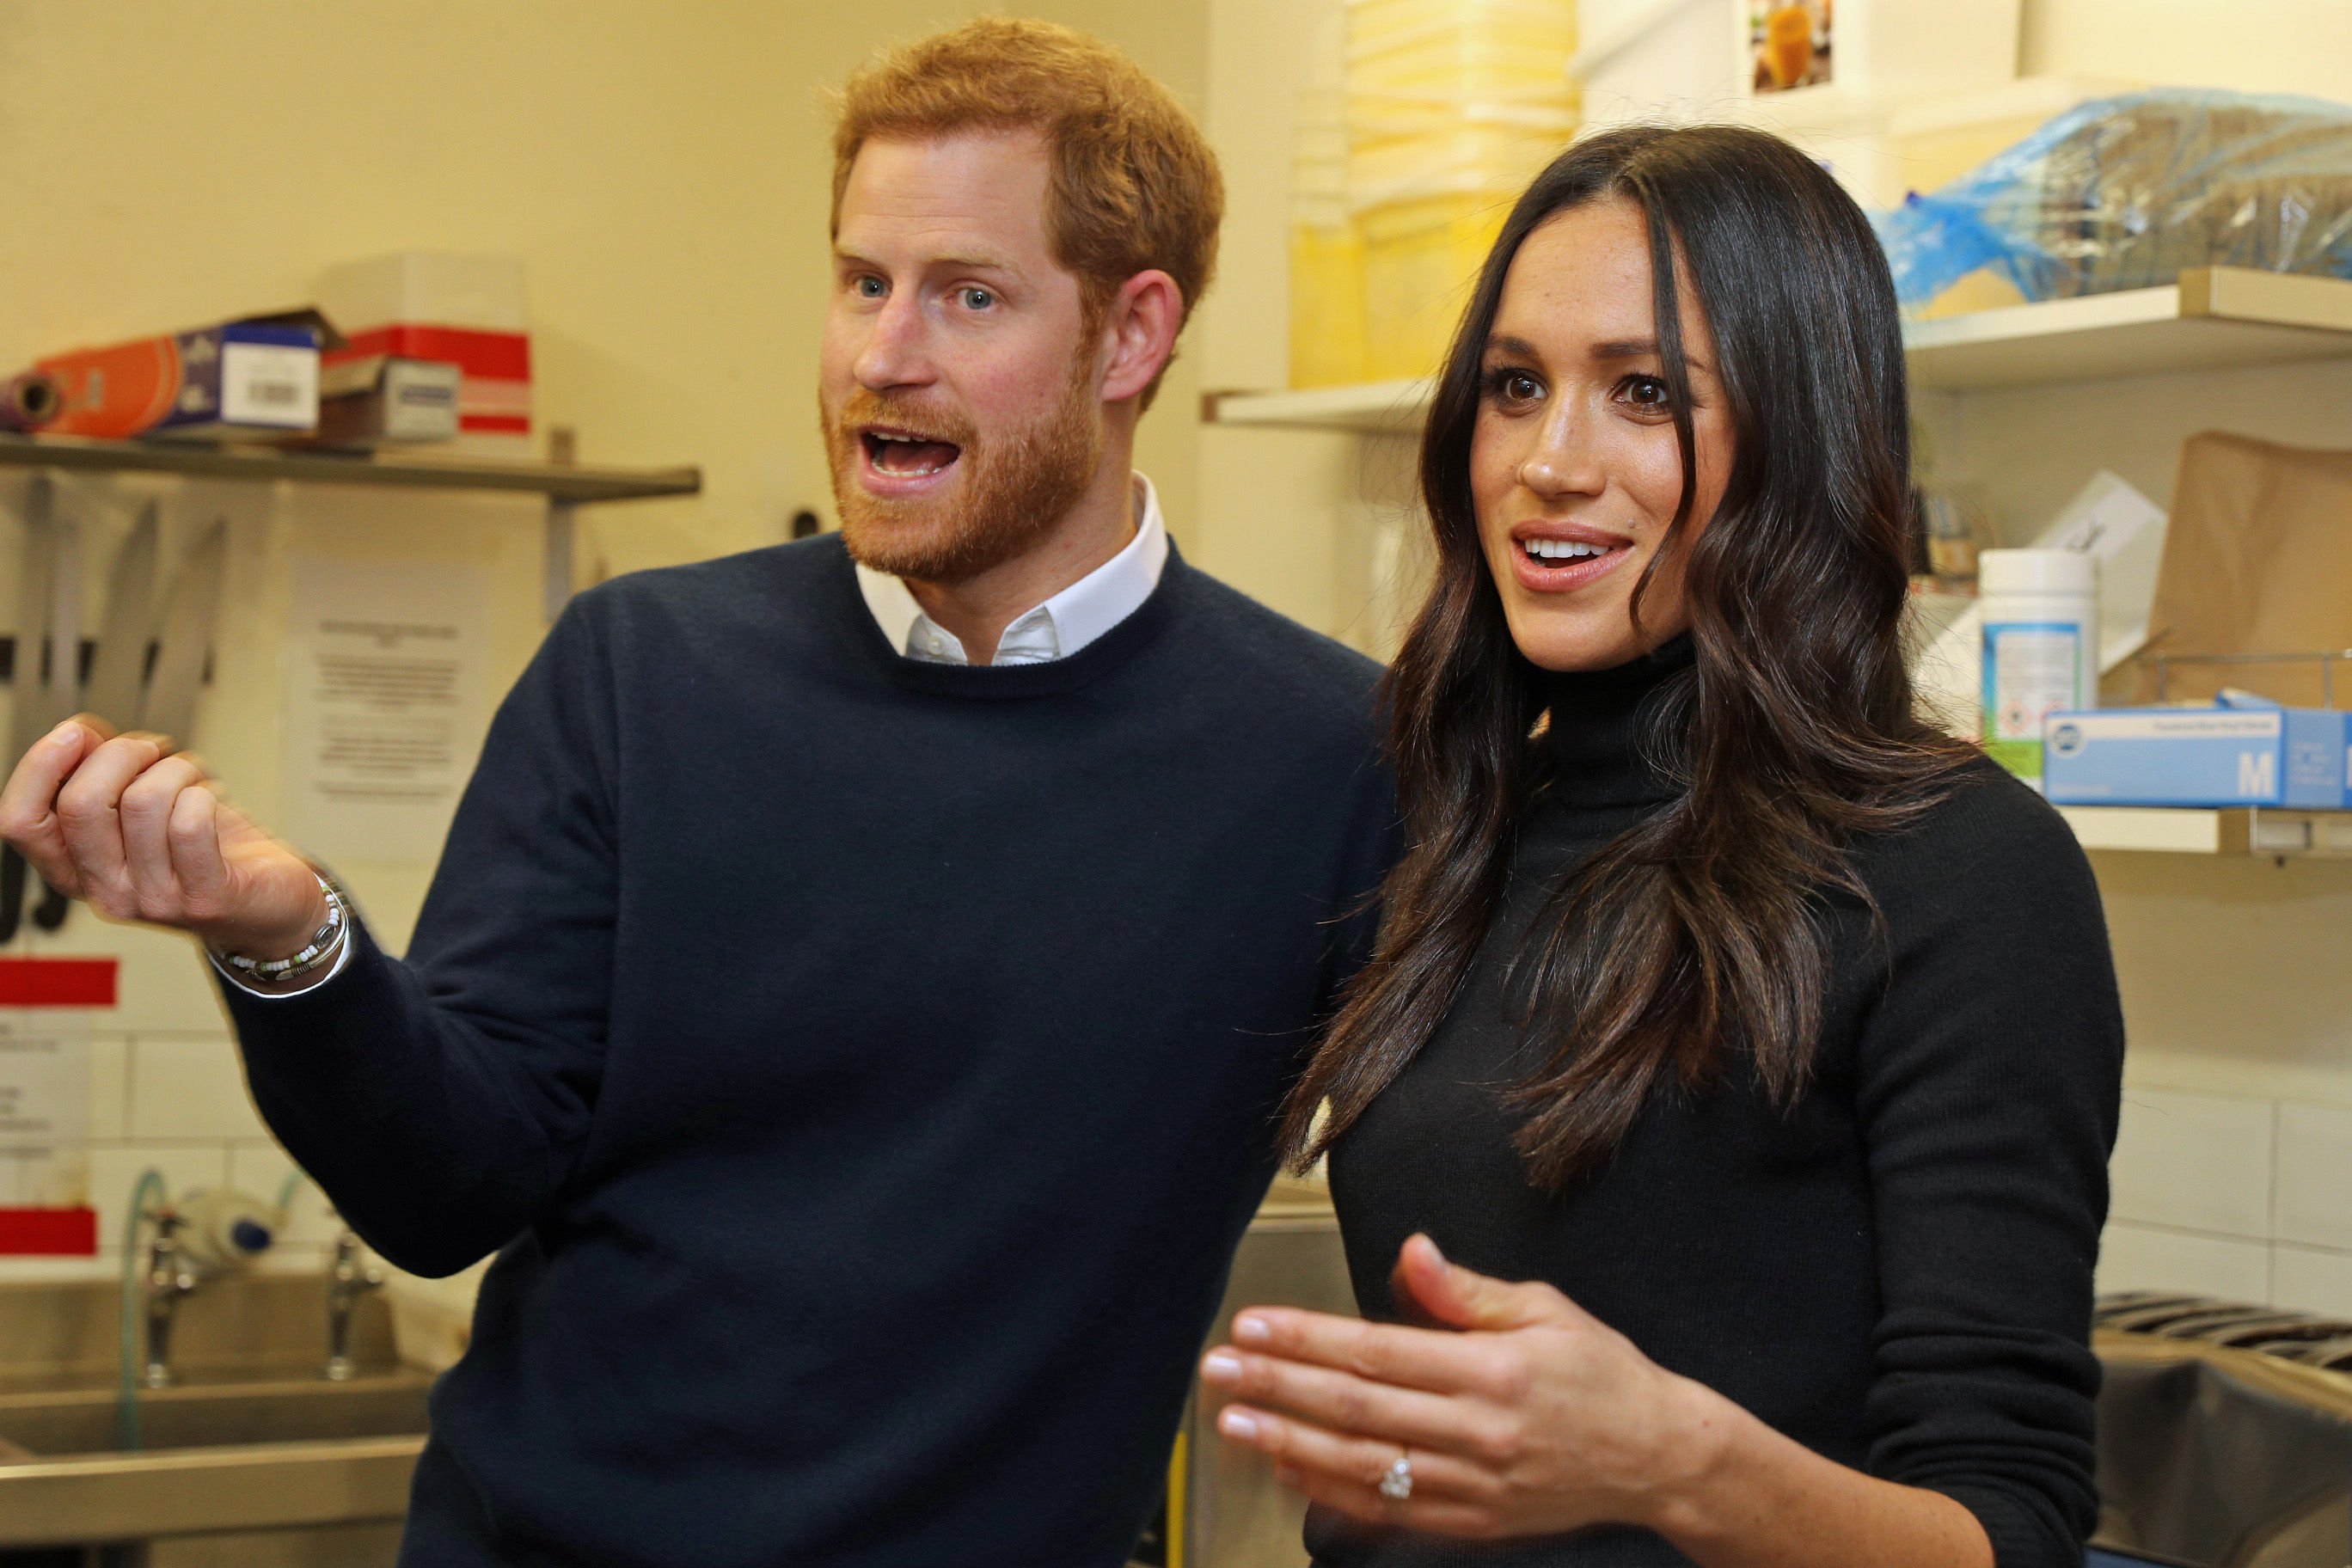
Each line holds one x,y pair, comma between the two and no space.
2214,318
564,484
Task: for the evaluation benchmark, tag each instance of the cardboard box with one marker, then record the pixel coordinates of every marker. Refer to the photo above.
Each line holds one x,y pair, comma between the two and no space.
383,399
2257,560
257,376
2237,753
466,310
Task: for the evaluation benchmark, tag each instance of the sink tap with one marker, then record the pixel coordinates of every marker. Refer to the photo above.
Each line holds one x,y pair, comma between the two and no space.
347,1281
170,1281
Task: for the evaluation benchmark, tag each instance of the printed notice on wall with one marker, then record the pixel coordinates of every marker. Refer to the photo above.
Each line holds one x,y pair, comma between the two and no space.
44,1086
384,703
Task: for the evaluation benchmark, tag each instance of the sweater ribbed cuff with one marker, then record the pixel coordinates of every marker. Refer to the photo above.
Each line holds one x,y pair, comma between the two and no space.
2020,1539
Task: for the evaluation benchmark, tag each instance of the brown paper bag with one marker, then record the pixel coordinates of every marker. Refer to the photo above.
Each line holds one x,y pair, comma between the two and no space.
2258,558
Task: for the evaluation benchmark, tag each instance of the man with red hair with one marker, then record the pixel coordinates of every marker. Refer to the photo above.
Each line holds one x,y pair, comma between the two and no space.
857,992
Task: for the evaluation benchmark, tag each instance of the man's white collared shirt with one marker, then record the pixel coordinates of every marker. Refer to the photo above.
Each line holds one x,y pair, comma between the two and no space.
1055,630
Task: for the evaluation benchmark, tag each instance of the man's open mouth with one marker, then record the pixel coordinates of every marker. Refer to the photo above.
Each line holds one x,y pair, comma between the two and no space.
906,454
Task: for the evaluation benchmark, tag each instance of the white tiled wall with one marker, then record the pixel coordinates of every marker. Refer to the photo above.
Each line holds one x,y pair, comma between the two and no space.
2314,1176
166,1092
173,1102
2235,1196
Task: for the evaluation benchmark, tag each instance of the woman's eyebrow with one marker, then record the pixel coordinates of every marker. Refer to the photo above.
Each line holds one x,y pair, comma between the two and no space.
1640,348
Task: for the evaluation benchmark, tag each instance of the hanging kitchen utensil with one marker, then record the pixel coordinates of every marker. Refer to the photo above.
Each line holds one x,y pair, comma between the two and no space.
186,639
41,673
118,668
61,672
118,671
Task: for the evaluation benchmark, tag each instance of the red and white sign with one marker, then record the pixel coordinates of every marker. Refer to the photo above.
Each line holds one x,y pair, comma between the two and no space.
45,1006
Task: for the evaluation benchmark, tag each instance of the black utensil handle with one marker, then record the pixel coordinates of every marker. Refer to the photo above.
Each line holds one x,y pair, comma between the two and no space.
12,892
51,912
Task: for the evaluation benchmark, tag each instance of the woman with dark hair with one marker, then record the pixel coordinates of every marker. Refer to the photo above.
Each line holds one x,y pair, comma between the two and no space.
1764,1038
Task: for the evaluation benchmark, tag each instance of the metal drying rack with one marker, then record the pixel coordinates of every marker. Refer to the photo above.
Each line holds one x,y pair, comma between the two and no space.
2327,659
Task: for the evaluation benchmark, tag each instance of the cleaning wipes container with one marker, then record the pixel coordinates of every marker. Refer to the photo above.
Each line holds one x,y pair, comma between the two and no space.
2041,613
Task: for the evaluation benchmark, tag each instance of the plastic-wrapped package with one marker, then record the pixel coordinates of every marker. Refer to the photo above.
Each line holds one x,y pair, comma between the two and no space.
2122,193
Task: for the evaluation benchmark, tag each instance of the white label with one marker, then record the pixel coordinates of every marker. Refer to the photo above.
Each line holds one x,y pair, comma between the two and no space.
2029,674
265,384
2190,723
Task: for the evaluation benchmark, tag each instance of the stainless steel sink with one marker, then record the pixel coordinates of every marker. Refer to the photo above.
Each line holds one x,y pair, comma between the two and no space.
253,1440
201,1415
2221,1457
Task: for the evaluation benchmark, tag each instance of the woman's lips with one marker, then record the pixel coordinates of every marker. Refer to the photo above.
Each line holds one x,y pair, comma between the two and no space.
1576,556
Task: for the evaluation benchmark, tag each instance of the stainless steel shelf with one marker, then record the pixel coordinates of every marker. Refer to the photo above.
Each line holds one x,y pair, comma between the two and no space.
559,482
1372,408
2214,318
2182,830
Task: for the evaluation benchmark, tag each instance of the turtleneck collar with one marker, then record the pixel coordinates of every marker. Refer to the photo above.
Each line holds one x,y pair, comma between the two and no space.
1596,730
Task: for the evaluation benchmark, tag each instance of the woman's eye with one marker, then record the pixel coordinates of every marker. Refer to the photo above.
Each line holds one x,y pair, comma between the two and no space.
977,299
1646,392
1513,386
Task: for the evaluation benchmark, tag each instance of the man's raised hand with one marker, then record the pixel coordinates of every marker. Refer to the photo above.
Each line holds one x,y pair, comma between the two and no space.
136,831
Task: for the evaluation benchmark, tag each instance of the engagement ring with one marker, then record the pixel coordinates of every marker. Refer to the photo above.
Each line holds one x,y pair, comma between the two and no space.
1397,1485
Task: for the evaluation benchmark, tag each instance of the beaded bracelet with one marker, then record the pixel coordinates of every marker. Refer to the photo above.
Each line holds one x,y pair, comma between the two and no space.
321,948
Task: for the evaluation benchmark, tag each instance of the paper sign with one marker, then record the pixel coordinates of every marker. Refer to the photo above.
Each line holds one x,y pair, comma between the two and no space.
44,1086
384,704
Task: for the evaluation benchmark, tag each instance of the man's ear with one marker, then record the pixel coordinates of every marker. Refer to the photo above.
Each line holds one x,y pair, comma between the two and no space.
1140,328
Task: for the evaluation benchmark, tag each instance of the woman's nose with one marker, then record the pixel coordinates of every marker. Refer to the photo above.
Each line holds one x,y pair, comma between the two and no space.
1562,461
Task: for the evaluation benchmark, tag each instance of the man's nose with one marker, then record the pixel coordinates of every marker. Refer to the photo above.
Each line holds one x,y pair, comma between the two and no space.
896,353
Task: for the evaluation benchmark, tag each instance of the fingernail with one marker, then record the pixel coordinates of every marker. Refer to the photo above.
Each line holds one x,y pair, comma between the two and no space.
1251,1331
1434,1250
1222,1366
65,734
1237,1424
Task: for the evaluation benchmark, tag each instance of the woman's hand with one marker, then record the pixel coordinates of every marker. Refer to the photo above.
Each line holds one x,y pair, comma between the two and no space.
1521,1413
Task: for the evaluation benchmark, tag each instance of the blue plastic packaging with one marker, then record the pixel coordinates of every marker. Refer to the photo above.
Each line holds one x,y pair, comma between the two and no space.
2125,192
2243,751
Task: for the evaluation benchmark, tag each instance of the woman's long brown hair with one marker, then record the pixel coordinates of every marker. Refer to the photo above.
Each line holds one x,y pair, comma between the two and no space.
1694,938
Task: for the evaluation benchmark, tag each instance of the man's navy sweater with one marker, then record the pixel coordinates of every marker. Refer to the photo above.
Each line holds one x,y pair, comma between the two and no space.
866,1067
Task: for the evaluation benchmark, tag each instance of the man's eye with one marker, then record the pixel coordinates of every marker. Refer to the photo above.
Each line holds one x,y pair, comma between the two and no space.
868,287
977,299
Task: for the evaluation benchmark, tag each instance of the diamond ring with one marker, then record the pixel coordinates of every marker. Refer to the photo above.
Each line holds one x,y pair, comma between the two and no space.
1397,1485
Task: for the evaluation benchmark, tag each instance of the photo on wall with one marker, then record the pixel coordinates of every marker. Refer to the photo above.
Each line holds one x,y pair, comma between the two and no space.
1789,44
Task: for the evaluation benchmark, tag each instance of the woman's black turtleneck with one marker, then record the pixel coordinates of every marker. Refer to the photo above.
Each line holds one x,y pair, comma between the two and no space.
1895,1272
